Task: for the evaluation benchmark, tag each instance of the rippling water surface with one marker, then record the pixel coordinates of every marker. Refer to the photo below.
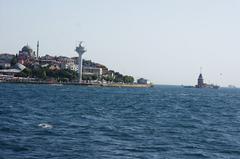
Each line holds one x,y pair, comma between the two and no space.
61,122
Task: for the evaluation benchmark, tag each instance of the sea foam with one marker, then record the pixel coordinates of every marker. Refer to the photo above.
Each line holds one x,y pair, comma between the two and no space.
45,126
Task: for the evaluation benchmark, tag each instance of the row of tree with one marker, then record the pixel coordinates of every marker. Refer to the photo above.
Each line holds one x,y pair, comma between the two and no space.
69,75
119,78
46,73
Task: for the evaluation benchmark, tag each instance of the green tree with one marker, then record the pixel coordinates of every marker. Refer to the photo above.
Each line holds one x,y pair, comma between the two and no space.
128,79
14,60
25,73
43,74
108,78
94,77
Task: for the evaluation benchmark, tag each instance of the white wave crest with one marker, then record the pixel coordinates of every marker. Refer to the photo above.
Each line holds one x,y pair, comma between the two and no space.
45,126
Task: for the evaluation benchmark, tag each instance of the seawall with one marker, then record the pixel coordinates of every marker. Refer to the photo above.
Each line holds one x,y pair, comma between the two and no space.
119,85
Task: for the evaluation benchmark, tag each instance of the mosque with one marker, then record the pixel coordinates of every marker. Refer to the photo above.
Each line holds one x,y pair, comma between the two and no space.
27,54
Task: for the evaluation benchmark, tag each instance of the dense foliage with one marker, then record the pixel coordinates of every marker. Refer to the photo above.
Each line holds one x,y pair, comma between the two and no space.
46,73
89,77
14,60
128,79
66,75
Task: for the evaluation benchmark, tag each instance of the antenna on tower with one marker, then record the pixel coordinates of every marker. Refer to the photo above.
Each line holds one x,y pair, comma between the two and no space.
200,70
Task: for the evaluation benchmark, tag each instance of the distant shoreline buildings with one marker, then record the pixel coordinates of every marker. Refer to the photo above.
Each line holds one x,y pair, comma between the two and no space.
59,68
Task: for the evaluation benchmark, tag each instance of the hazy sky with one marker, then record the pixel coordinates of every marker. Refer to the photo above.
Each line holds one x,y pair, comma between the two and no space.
166,41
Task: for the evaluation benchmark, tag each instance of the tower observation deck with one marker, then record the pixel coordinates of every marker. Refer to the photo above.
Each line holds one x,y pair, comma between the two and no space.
80,50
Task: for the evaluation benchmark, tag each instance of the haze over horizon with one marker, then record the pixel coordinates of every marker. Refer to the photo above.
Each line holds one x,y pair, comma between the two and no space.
164,41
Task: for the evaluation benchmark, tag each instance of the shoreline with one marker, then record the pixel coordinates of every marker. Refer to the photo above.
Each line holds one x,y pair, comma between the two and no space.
118,85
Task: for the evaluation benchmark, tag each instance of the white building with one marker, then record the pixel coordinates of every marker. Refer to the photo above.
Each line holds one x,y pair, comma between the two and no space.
16,69
69,66
92,71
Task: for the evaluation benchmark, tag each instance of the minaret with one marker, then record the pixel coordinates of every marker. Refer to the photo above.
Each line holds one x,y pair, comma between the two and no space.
37,49
80,50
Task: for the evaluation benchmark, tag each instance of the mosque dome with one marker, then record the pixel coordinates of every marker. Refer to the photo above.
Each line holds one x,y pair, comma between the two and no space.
27,48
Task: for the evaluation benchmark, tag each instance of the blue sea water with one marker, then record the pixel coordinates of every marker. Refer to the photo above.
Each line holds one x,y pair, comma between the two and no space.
65,122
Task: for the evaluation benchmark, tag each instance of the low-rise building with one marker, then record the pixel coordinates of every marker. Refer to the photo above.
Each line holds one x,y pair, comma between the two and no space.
92,71
6,57
47,57
69,66
143,81
63,59
5,65
5,60
73,67
13,70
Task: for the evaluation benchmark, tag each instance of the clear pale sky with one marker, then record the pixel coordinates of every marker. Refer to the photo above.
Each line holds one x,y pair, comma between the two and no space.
166,41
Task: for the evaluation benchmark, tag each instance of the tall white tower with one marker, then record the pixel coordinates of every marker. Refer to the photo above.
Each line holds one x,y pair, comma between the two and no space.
80,50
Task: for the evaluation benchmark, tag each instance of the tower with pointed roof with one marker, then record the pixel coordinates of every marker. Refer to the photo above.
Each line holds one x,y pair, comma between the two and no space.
200,81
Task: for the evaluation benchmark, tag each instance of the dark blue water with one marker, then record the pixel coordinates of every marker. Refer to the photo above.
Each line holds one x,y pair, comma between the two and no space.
61,122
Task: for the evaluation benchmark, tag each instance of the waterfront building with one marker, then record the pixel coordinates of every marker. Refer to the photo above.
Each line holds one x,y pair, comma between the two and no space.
64,59
73,67
17,68
143,81
5,60
48,60
93,71
69,66
5,65
67,63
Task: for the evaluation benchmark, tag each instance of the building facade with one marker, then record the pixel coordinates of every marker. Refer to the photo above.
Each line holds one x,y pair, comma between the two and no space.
26,55
142,81
92,71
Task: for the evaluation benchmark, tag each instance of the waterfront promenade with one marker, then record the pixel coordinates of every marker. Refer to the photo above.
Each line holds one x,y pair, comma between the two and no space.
119,85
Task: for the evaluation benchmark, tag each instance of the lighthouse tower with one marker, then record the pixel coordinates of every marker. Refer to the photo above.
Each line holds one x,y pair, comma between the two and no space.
80,50
200,81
